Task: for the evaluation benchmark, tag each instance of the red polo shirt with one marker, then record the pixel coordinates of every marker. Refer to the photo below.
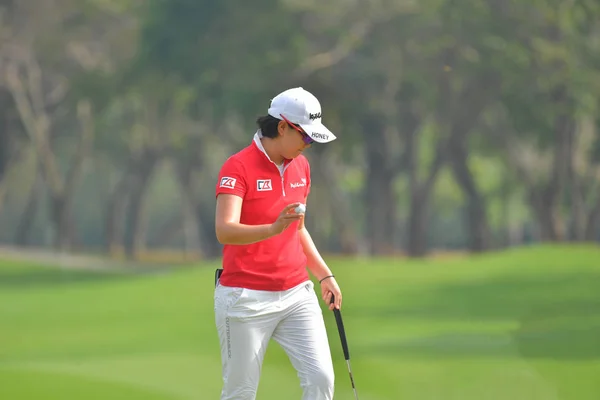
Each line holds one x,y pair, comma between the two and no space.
277,263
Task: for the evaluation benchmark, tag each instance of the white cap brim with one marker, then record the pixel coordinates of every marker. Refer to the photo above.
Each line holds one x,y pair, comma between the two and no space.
318,132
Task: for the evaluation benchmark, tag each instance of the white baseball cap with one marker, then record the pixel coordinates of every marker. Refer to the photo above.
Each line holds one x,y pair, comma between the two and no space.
302,108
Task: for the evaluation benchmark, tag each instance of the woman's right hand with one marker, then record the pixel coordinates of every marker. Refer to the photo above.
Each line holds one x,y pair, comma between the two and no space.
285,219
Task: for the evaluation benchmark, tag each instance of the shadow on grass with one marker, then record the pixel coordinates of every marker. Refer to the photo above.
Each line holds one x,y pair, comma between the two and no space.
35,278
506,298
562,331
559,342
558,317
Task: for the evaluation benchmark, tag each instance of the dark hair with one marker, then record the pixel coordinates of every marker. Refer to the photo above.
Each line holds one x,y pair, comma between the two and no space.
268,126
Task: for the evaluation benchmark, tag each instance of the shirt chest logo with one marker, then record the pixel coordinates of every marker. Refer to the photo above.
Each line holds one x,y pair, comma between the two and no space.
295,185
264,185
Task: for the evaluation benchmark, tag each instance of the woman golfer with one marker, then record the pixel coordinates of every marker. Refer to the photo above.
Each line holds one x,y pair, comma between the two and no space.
264,291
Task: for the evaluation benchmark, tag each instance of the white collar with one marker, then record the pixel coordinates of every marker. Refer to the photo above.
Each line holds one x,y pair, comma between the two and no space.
260,146
257,136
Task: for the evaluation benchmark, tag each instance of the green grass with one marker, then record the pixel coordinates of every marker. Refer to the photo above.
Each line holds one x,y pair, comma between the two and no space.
523,324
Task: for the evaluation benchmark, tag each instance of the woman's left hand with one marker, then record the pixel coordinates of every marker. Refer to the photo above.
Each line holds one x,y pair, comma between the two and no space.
329,287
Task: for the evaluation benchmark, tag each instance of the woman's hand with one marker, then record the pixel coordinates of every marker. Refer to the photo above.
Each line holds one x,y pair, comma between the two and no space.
329,287
285,219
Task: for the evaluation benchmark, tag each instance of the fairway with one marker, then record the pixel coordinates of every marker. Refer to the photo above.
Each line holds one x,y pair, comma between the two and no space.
519,325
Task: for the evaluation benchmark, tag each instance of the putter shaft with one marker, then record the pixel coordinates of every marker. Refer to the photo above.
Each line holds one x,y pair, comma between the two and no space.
352,379
342,331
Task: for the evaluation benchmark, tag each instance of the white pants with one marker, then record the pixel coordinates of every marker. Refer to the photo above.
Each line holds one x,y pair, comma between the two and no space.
246,321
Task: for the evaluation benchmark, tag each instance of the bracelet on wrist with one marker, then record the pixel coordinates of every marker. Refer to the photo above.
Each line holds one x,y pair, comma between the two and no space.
327,277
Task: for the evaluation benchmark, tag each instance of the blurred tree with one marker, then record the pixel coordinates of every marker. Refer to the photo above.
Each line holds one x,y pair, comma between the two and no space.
495,99
545,98
425,96
9,129
39,71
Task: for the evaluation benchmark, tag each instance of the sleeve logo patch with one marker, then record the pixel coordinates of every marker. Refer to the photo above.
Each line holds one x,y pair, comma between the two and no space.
227,182
263,185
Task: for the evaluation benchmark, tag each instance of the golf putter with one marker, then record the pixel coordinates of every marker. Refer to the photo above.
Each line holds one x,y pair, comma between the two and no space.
342,332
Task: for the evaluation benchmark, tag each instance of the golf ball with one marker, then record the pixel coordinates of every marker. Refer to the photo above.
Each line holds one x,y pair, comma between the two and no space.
301,209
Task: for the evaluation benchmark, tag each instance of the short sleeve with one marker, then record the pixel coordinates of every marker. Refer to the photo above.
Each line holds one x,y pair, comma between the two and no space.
232,178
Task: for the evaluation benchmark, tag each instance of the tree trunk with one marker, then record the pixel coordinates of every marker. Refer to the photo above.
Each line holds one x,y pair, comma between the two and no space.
417,223
135,234
62,197
3,190
23,232
381,213
380,199
190,220
476,216
115,212
542,202
420,192
61,208
578,210
30,101
511,230
477,94
64,228
551,223
5,142
546,198
593,224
